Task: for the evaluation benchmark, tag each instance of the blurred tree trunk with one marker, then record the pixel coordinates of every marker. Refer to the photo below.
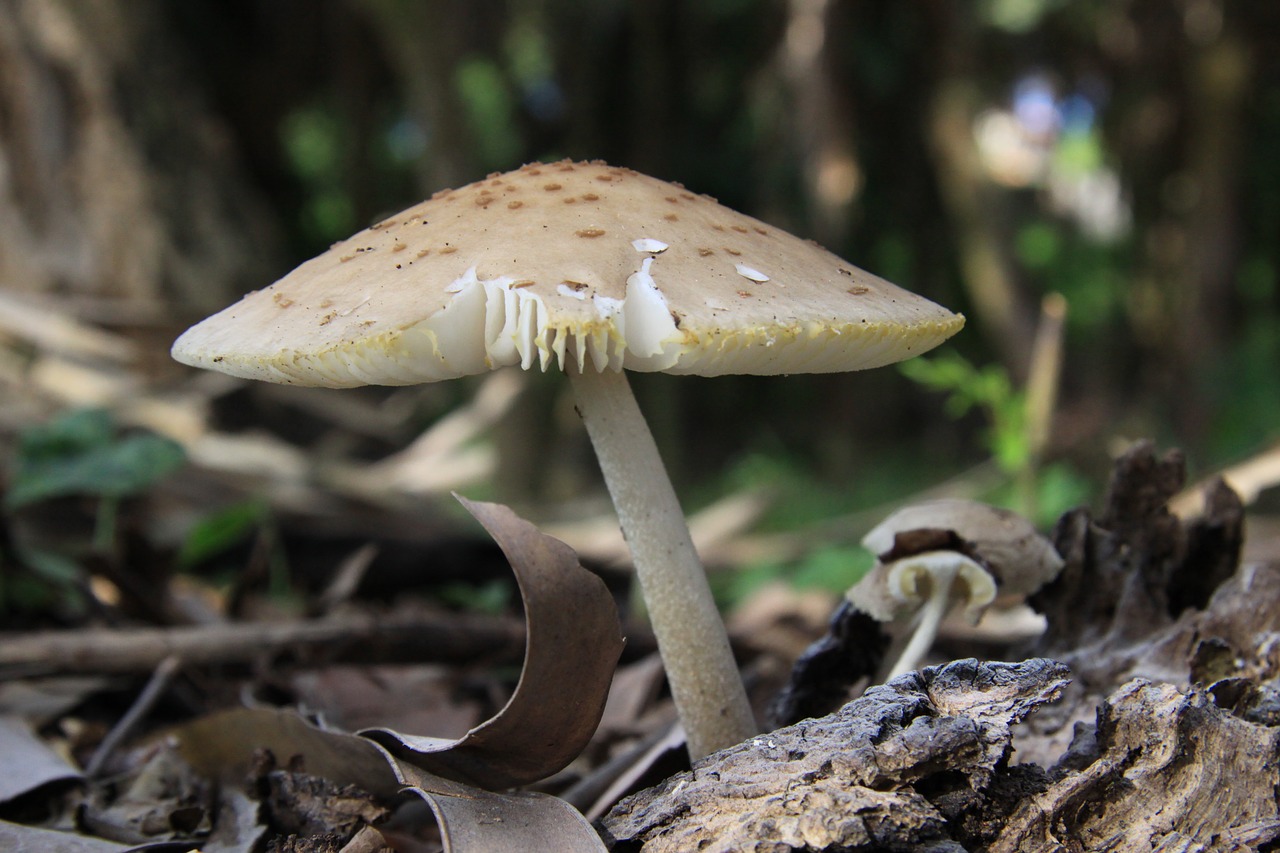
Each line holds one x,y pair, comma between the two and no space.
820,121
422,41
1005,315
1183,141
1218,92
115,182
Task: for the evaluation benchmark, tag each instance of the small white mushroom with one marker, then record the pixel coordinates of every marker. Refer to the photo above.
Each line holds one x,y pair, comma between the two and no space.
935,555
933,582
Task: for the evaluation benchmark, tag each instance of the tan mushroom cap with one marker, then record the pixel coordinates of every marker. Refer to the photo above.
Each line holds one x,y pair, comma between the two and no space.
566,262
1021,559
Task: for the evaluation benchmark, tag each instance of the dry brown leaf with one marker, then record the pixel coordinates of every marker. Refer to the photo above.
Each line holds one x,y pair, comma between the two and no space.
472,820
574,640
26,762
18,838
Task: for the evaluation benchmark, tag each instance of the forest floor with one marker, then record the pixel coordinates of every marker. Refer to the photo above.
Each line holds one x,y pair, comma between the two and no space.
213,643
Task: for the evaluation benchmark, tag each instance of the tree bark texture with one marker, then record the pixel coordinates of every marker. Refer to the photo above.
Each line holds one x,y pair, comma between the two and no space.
890,770
115,181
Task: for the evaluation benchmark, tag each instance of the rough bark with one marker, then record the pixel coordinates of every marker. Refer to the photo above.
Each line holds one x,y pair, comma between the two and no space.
1118,565
1160,770
888,771
1141,589
1167,736
823,675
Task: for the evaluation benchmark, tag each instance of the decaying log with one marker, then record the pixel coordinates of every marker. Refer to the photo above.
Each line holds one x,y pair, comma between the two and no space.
890,770
1136,567
851,650
1161,770
1144,595
1166,738
1114,585
1175,650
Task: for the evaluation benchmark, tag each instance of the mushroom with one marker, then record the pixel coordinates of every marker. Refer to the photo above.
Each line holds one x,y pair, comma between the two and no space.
592,269
934,555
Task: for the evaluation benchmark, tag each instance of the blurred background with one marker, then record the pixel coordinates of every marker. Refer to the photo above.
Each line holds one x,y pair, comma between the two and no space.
1095,184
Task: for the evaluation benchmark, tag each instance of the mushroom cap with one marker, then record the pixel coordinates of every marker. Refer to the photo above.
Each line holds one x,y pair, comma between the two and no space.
911,578
1020,558
565,262
903,585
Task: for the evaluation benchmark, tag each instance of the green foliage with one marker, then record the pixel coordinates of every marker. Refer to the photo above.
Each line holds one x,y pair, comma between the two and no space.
987,389
1038,246
493,596
48,582
1086,271
800,501
490,108
796,499
223,529
1080,153
83,453
892,256
831,568
1241,383
1059,487
313,142
1041,492
1017,16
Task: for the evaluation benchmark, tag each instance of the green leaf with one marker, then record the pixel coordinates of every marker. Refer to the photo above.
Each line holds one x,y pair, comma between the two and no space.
74,432
218,531
833,568
43,581
989,389
81,454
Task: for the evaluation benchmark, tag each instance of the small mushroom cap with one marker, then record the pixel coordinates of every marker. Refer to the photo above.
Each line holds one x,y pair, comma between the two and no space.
1020,558
911,577
892,588
565,262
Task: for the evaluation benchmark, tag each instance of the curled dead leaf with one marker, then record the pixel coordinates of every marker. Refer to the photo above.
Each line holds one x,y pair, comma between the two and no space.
573,642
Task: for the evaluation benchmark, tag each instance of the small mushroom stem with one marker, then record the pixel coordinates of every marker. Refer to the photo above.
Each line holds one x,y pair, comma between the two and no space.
704,678
942,578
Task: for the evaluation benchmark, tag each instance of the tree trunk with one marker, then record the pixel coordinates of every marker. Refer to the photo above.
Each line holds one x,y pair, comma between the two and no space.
115,182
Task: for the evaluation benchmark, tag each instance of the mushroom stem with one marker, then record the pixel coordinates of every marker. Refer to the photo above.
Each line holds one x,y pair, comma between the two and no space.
941,580
704,678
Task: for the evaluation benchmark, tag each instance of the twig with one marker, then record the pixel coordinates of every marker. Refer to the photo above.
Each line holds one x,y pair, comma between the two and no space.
599,790
345,580
151,693
439,638
1248,478
1042,394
